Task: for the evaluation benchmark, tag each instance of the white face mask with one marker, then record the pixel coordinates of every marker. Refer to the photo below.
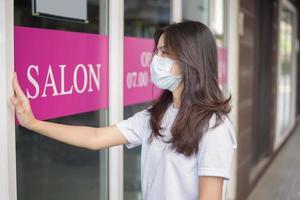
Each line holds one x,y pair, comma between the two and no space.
160,69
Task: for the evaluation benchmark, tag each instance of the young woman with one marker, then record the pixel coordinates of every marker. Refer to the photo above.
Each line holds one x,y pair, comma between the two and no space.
187,140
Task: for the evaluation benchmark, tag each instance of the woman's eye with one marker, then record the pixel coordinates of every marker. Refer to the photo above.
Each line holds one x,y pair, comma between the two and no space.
163,52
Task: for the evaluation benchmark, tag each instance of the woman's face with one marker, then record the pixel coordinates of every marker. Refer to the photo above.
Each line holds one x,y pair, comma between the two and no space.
164,52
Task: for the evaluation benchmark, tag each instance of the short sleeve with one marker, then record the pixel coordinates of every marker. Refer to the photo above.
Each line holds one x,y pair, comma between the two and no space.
216,151
134,128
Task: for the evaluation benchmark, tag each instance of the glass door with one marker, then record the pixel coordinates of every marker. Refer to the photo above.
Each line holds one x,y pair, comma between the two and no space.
62,65
141,19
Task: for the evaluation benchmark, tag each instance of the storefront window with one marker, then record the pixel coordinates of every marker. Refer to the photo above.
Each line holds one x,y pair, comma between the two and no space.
47,169
141,20
286,74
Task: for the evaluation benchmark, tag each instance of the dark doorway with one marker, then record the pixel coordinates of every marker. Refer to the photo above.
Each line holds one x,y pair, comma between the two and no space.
262,101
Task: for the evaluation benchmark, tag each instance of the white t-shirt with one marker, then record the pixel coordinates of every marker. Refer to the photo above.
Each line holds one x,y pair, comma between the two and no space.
166,174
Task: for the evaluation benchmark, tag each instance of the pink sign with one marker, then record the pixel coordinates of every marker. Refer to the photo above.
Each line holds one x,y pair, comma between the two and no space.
138,87
222,68
62,73
65,73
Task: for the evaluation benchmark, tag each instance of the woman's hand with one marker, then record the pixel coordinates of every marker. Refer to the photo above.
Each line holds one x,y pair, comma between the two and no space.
22,106
81,136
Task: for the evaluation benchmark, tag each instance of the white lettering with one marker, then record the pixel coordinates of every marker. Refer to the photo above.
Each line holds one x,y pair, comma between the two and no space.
85,76
93,76
62,81
83,79
33,81
51,84
145,58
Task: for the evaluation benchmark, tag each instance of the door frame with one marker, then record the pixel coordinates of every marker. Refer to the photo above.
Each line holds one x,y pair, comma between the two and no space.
8,183
116,46
116,104
235,27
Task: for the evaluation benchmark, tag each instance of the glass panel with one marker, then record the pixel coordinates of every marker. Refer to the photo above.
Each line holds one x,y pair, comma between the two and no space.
212,13
218,21
142,18
47,169
197,10
286,74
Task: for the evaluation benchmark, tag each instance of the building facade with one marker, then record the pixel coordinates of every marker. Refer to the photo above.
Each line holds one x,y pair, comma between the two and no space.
268,53
89,65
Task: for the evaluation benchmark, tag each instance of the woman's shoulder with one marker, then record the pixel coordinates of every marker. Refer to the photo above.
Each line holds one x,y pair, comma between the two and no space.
221,130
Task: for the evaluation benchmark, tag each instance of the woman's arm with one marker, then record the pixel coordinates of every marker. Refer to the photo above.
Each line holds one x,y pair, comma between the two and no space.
81,136
210,187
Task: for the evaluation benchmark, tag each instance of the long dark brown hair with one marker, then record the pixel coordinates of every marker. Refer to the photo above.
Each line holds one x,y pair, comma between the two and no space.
195,49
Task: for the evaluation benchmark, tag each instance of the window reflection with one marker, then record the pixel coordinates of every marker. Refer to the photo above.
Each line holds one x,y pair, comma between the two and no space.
286,76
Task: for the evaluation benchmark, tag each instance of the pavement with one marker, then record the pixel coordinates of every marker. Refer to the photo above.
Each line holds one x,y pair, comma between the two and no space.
282,179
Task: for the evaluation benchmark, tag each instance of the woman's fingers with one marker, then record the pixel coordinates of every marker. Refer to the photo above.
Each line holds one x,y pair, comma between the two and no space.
13,100
19,93
21,104
17,104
